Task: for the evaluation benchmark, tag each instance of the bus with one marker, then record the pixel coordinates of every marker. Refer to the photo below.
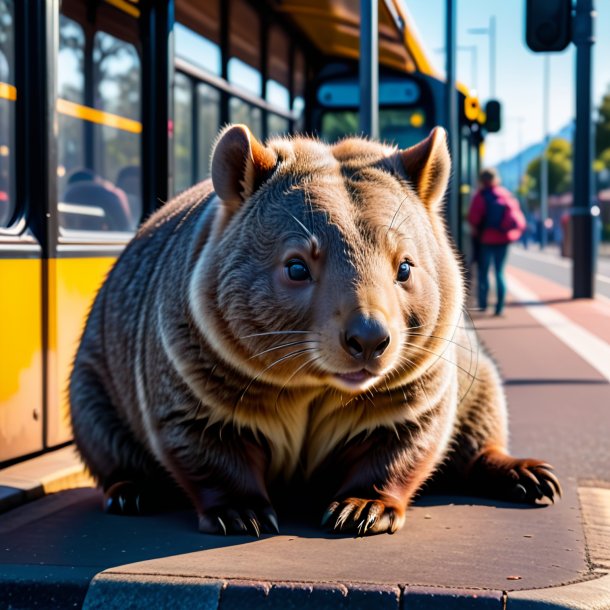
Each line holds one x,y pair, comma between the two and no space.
110,107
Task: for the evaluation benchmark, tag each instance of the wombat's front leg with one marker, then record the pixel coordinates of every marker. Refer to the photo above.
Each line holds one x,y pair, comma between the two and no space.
225,478
380,474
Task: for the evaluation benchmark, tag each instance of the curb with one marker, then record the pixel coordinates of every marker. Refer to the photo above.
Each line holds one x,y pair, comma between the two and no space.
35,478
119,591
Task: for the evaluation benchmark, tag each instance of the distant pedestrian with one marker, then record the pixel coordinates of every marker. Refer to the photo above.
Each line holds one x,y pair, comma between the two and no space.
496,220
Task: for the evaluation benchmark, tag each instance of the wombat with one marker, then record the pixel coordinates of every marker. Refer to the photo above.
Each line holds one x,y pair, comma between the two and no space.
298,317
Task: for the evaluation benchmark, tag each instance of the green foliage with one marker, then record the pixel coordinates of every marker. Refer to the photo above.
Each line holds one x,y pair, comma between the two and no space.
602,129
559,158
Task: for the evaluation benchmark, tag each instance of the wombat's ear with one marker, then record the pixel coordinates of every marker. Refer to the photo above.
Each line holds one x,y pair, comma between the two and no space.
240,164
428,166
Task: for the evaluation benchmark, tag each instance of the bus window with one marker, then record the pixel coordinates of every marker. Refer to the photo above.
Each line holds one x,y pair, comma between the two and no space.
71,88
244,47
244,76
279,97
298,108
208,104
99,140
277,125
8,95
183,133
197,50
402,127
117,140
242,112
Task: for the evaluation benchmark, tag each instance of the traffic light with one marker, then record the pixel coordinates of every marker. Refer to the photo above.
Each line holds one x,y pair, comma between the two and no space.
471,107
548,25
493,116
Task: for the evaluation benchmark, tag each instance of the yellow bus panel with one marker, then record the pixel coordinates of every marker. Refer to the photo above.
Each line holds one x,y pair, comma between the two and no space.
73,284
20,357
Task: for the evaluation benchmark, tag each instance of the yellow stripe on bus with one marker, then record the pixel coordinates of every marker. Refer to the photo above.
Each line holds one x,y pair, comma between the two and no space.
97,116
8,92
126,7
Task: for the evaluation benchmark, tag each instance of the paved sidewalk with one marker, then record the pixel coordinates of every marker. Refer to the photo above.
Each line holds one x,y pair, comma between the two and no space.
453,553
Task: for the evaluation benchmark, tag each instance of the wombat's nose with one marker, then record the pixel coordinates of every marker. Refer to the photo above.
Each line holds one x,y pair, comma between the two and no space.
365,338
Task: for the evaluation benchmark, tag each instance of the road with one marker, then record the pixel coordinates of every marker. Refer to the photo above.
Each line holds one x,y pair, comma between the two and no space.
551,265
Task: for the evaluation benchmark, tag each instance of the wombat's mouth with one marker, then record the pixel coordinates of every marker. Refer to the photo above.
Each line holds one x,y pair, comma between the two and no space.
358,380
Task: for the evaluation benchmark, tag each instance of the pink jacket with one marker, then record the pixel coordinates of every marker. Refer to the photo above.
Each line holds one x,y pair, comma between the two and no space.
491,236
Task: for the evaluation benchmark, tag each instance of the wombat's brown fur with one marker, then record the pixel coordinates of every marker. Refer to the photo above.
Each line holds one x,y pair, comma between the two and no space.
303,320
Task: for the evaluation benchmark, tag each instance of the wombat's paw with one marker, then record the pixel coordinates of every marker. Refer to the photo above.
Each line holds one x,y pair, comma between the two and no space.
126,498
226,520
363,517
517,480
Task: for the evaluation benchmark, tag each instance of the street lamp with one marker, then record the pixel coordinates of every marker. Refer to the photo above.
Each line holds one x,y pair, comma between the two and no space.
544,161
491,32
472,49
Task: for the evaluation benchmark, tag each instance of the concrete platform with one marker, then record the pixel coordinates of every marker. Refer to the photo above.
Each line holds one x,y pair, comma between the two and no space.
454,552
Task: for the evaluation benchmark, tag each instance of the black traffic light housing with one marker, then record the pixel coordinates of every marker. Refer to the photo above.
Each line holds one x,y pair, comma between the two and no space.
548,25
493,116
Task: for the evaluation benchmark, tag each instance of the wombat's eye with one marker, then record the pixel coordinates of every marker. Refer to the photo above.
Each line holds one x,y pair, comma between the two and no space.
297,270
404,271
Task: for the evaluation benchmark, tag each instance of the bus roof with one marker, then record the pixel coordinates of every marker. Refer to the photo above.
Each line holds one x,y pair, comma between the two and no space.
333,26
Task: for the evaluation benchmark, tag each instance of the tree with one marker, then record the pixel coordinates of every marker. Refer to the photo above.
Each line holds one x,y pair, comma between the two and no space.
559,156
602,128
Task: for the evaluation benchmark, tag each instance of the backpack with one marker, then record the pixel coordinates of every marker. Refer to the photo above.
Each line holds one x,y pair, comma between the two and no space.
498,214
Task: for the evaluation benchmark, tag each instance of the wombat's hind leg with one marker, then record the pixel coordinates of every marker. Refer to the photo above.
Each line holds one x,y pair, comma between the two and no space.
132,480
136,497
496,474
479,461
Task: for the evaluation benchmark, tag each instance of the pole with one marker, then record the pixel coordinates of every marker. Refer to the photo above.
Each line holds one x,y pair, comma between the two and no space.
451,121
369,69
492,57
583,267
544,164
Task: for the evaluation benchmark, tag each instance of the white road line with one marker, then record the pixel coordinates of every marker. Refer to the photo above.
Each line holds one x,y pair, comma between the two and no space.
590,348
552,259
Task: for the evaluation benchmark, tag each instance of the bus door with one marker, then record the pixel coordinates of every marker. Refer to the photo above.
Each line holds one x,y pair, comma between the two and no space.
98,203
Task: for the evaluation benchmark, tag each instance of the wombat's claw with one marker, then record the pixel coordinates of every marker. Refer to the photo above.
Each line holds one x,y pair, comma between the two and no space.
363,517
123,498
519,480
225,521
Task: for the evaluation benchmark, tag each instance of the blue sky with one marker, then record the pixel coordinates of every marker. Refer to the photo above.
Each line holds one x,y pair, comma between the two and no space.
519,72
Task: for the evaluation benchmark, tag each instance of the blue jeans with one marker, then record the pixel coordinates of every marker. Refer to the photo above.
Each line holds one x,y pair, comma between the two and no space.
497,254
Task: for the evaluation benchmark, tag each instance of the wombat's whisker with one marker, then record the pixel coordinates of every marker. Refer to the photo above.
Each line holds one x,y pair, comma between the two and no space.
468,348
280,332
395,213
442,356
308,362
274,363
476,363
283,345
307,231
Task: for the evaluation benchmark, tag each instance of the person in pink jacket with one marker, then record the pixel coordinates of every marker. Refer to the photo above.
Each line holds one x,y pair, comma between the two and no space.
496,220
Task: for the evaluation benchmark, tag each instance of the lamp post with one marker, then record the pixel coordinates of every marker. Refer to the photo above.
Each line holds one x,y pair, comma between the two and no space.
369,68
451,119
583,238
544,161
491,32
473,50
